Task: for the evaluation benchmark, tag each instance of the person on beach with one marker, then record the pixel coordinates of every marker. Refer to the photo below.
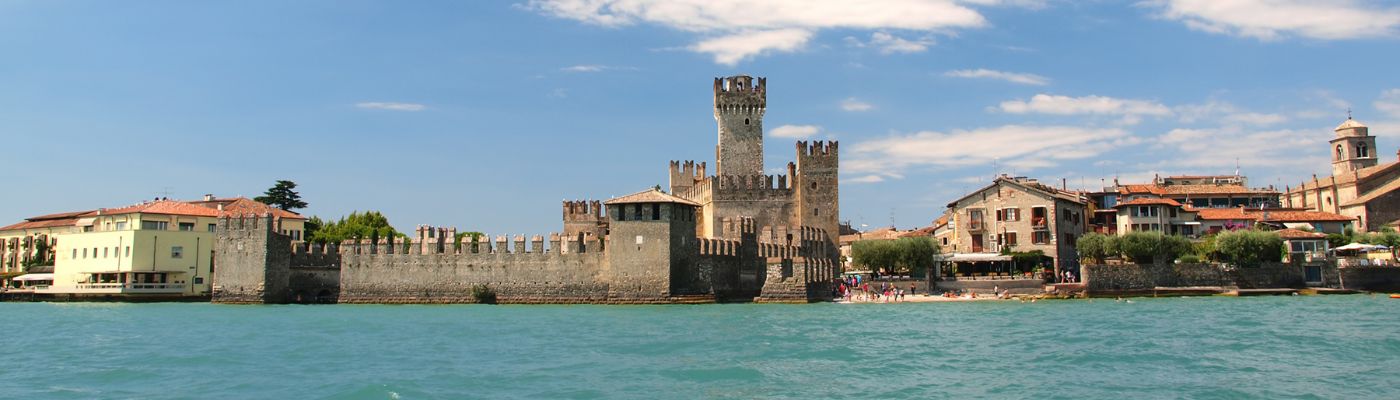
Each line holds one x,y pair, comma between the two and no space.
911,289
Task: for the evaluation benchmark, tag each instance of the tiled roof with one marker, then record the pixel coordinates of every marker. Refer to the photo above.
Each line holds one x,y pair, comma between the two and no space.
1148,201
650,196
48,221
1223,214
1213,189
1298,234
245,206
1300,216
168,207
1140,189
921,232
1375,193
1363,174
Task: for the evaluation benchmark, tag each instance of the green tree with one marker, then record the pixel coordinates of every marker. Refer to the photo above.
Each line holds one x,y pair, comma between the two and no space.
1093,247
1152,247
282,195
910,255
1249,248
367,225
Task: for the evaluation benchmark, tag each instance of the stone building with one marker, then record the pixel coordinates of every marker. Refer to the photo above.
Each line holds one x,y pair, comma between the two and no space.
1017,214
737,235
1361,187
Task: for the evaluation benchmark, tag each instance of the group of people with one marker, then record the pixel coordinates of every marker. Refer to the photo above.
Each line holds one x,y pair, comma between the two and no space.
854,288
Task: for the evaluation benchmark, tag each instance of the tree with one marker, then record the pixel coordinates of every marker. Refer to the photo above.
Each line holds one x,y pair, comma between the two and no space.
367,225
282,195
1249,248
1153,247
911,255
1092,247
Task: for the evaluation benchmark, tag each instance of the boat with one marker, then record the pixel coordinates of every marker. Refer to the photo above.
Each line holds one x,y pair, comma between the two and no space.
1395,296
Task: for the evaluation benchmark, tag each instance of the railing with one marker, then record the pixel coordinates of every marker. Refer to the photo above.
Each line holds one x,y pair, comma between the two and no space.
137,287
1038,223
1362,262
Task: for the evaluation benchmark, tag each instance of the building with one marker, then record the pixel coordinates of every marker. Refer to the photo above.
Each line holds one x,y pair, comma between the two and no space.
160,248
1158,215
736,235
1018,214
1361,187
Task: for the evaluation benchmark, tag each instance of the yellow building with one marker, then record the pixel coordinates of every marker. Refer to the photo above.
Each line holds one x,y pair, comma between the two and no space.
158,248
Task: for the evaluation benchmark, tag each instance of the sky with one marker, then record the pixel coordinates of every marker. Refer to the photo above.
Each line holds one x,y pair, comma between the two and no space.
485,115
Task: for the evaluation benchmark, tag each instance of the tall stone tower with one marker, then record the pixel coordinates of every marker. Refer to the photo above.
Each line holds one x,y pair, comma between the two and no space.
739,106
816,186
1354,148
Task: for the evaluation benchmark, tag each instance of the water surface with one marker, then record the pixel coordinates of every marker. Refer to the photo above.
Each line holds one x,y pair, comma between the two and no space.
1267,347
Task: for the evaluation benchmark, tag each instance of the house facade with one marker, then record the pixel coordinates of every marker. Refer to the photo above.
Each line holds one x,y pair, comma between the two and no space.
1017,214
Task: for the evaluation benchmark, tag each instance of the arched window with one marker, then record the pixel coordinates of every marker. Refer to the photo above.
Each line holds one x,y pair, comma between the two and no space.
1362,151
1339,152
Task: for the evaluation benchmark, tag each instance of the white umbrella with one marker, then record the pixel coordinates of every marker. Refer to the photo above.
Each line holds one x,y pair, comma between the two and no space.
1355,246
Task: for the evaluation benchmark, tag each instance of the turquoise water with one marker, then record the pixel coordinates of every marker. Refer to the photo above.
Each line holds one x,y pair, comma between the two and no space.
1270,347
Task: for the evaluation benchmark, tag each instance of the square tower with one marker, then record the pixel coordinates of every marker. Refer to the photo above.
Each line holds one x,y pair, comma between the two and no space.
739,106
1353,149
651,245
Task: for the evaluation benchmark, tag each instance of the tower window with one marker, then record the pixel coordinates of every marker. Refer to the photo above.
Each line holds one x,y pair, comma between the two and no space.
746,121
1339,152
1362,151
814,185
814,212
655,211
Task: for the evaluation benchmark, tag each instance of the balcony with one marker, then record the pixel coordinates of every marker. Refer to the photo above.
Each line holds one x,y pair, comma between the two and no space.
1039,223
125,288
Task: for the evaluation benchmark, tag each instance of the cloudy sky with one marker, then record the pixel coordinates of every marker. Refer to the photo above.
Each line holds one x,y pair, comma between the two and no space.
484,115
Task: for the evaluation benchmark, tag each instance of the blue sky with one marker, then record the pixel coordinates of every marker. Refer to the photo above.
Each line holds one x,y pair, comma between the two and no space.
484,115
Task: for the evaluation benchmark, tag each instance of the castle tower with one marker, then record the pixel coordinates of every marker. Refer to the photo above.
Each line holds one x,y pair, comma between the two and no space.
652,241
739,107
1354,148
816,185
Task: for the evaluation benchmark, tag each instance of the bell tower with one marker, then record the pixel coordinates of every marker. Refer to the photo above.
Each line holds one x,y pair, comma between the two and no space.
739,107
1354,148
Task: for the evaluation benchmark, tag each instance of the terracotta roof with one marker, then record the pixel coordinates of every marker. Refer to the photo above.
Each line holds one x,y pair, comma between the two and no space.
1298,234
1362,174
1029,186
1138,189
1300,216
48,221
1149,201
168,207
650,196
1212,189
1223,214
921,232
244,206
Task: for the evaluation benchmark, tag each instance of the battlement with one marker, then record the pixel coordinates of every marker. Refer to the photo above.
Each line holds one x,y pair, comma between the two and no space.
502,245
248,223
816,149
753,182
583,210
686,174
739,93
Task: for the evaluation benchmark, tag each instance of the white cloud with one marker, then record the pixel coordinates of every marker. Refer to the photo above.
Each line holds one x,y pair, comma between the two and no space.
889,44
375,105
761,27
1273,19
865,179
1225,113
1389,102
1017,146
1013,77
731,49
795,131
852,104
595,68
1287,151
1130,110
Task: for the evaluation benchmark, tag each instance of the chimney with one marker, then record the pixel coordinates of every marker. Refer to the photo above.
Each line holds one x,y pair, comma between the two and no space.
209,197
220,207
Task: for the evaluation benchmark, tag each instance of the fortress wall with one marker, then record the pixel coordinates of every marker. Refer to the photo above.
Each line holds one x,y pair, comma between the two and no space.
253,261
1100,278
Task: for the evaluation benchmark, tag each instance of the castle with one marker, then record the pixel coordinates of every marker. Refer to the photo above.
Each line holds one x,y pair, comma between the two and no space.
737,235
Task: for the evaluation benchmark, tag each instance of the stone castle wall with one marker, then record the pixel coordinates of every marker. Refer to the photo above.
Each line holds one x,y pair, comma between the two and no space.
245,242
1099,278
1379,279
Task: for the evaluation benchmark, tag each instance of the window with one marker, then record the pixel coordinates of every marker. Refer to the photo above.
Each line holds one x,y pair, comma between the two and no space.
814,212
1040,237
211,227
187,226
121,225
1010,238
814,185
87,228
177,251
128,252
655,211
155,225
75,254
1012,214
1362,151
84,252
199,280
104,252
620,212
1001,215
637,212
1339,152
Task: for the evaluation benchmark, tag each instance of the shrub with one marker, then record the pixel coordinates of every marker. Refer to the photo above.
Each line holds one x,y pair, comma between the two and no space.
1152,247
1092,247
484,294
1249,248
1189,259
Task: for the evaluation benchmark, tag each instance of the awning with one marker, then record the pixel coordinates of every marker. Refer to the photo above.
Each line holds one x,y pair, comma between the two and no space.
33,277
1355,246
1298,225
85,221
971,257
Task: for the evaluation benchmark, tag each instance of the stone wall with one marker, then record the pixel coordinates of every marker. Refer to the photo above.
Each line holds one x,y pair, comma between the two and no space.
1100,278
449,278
252,262
1379,279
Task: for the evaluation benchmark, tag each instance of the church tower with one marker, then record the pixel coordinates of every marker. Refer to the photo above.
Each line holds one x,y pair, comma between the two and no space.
1354,148
739,107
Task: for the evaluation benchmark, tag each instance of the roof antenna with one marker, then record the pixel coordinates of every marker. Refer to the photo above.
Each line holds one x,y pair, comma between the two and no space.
1348,112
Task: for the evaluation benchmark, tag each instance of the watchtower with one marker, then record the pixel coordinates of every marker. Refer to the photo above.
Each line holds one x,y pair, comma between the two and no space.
651,245
739,107
816,186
